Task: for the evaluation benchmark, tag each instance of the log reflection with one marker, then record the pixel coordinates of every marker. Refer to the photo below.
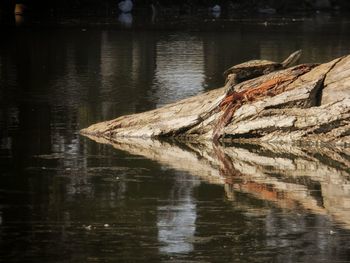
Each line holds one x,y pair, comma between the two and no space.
313,179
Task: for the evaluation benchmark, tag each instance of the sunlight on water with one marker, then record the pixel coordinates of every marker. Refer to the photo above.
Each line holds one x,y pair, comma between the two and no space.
177,221
180,69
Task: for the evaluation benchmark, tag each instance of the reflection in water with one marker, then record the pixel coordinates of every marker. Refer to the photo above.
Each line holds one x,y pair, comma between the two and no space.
125,19
127,66
247,203
307,179
176,221
292,182
179,71
20,20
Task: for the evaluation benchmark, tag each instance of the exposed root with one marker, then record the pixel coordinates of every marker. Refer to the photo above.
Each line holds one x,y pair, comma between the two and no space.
234,100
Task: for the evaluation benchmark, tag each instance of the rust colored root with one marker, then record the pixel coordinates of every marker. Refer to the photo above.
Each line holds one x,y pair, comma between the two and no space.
226,169
234,100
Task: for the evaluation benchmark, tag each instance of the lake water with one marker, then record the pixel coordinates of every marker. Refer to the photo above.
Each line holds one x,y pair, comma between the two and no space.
66,198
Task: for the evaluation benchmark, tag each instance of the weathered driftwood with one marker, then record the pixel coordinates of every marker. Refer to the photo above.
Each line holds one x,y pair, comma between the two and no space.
283,174
305,103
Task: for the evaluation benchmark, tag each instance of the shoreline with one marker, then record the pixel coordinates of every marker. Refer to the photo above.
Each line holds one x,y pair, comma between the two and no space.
170,20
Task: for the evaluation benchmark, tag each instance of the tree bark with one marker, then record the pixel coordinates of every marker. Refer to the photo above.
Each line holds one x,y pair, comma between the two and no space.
306,103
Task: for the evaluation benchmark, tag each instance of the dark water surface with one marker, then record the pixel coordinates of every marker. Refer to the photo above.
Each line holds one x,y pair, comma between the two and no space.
65,198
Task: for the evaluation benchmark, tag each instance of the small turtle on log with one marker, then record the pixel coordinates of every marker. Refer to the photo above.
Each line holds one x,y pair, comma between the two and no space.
244,71
254,68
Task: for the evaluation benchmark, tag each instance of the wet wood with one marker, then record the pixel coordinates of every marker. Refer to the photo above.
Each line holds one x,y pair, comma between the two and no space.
305,103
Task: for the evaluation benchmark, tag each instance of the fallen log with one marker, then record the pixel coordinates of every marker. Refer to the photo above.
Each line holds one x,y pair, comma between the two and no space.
236,99
307,103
